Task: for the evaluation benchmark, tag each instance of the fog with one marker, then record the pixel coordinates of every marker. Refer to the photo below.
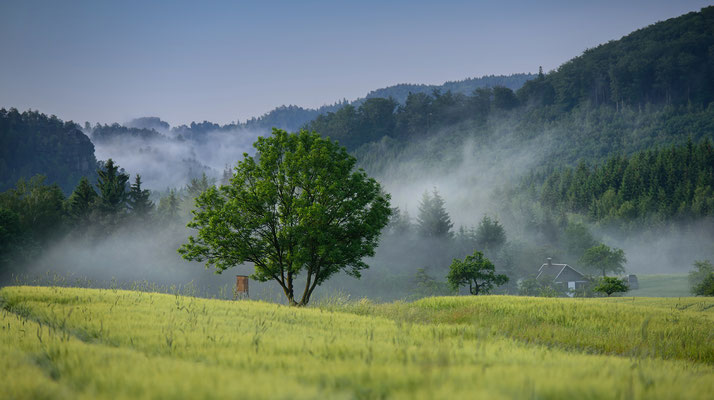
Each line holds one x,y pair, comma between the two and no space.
470,172
171,160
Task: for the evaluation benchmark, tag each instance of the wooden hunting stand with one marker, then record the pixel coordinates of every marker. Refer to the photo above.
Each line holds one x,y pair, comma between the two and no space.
241,287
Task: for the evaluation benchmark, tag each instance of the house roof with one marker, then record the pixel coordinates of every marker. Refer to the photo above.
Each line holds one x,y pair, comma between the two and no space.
553,271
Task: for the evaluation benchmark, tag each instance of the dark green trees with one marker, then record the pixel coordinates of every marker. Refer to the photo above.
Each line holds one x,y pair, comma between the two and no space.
112,186
298,207
81,202
138,200
476,271
433,221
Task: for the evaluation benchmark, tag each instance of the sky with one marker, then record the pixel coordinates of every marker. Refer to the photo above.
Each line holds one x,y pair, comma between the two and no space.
221,61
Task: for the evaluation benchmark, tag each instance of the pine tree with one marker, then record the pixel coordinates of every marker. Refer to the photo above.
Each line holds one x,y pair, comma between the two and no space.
112,188
199,185
169,206
138,199
433,220
81,202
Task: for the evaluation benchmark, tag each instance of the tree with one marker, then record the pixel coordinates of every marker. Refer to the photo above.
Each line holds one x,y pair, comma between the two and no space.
298,206
169,206
610,285
490,234
603,259
81,202
701,279
138,199
476,271
578,239
433,221
112,184
200,185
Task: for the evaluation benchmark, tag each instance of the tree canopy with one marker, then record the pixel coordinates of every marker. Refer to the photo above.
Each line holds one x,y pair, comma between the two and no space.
603,259
476,271
299,206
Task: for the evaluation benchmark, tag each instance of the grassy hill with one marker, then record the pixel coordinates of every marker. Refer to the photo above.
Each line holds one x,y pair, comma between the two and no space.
83,343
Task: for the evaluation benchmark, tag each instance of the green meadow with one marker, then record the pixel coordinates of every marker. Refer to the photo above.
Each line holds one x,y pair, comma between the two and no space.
104,343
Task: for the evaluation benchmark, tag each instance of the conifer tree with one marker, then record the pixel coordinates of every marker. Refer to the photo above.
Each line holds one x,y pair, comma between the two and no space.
138,199
433,221
112,184
81,202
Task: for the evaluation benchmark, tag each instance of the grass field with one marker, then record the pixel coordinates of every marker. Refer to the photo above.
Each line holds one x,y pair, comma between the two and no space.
103,343
673,285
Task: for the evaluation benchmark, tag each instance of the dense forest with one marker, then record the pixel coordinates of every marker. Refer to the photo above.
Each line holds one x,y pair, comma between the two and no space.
34,143
649,187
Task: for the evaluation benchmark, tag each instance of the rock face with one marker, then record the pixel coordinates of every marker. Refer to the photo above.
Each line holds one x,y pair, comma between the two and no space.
32,143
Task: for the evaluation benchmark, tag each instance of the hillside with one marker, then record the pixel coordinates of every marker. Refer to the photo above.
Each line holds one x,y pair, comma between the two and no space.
33,143
81,343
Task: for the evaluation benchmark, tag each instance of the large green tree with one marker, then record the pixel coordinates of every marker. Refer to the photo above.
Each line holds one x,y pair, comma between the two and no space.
298,207
476,271
603,259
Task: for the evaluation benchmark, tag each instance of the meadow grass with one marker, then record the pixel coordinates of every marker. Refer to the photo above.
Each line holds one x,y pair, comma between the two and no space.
93,343
663,285
627,326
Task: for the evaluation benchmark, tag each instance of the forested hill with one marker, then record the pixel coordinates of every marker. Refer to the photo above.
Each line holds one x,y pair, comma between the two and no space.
465,87
33,143
670,62
653,87
293,117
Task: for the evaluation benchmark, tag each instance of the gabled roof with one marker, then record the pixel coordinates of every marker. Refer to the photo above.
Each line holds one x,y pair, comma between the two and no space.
553,271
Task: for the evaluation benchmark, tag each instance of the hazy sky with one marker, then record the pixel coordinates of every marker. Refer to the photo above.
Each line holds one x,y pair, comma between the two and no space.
221,61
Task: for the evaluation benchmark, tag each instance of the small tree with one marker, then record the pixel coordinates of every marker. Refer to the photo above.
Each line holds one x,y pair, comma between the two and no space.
476,271
610,285
138,199
701,279
603,259
298,207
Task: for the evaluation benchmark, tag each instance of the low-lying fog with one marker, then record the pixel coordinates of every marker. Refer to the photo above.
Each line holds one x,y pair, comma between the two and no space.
466,173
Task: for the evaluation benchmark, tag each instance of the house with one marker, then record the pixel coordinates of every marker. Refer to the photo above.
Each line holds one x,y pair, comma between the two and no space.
560,274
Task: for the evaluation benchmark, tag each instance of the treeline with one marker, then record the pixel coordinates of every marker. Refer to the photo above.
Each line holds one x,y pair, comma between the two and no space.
33,143
33,214
670,62
650,186
376,118
656,82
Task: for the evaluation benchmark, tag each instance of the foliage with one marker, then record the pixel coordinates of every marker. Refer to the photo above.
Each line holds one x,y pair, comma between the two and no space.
610,285
476,271
490,234
157,346
668,62
32,143
701,279
169,207
298,206
427,285
112,187
652,185
138,200
433,221
603,259
81,202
